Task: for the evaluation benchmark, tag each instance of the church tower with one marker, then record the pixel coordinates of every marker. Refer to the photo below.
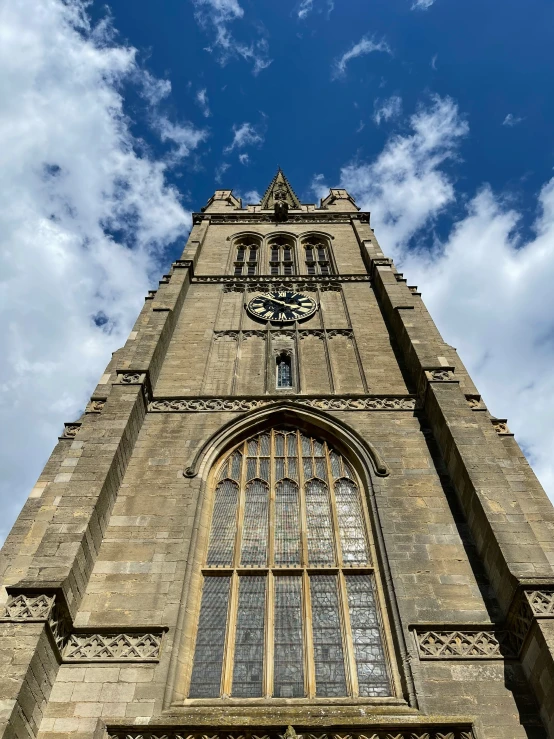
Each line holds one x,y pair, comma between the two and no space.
285,512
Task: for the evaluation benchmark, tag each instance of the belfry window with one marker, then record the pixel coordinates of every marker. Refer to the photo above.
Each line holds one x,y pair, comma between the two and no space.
289,605
317,257
281,256
246,258
284,371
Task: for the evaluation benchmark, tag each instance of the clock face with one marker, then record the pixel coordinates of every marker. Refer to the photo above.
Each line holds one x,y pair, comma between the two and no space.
282,306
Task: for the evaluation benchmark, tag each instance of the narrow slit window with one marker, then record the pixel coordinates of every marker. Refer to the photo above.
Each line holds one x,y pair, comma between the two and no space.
284,371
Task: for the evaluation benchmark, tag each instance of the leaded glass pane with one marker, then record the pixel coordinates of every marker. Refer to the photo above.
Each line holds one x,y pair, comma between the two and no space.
224,524
251,468
236,462
335,465
249,638
287,524
279,468
306,446
224,471
252,447
288,680
264,445
318,449
351,523
210,639
279,445
328,650
370,660
308,470
320,530
320,468
254,528
291,445
293,468
264,469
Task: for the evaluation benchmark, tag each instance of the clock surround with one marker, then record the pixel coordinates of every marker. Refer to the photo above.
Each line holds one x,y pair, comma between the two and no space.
281,306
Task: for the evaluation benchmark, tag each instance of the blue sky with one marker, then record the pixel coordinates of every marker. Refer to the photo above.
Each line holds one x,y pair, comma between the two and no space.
118,120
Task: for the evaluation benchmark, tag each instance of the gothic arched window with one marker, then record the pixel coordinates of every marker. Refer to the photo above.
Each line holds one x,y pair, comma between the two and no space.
316,252
289,607
246,256
281,256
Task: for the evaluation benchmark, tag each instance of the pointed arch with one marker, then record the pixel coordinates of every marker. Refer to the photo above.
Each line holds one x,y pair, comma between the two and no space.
349,441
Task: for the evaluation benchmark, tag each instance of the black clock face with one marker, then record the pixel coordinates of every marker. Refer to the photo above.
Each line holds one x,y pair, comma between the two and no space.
282,306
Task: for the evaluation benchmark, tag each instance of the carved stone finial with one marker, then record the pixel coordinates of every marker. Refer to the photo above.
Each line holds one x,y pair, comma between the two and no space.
290,733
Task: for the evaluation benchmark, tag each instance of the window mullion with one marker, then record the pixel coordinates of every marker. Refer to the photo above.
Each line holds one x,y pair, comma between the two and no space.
229,653
349,654
242,494
309,658
303,514
269,635
334,517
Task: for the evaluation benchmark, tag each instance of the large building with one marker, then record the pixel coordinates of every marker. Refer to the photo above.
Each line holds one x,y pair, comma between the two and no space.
286,511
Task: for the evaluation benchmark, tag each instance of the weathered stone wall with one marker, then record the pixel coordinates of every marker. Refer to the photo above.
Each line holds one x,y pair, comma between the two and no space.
112,533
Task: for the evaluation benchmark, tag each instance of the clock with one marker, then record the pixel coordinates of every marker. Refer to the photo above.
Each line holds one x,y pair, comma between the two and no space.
283,306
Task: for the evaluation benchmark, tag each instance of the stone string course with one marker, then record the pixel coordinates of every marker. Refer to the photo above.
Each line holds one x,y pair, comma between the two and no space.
411,732
361,403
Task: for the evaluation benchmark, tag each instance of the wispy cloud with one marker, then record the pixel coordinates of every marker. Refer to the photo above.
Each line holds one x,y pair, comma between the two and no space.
244,158
511,120
365,46
215,16
384,110
244,135
434,62
318,186
307,6
422,4
202,101
185,137
220,171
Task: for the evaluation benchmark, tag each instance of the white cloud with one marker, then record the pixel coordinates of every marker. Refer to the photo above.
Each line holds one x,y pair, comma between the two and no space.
405,183
244,135
185,137
84,223
244,158
220,171
434,62
307,6
422,4
384,110
153,90
202,100
216,16
318,186
252,196
488,289
366,45
511,120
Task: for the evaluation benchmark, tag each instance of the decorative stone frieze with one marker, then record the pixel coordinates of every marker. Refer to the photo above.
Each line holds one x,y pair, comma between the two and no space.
413,731
441,374
328,403
96,406
134,647
501,426
131,378
475,402
70,430
292,217
465,644
261,282
77,646
530,604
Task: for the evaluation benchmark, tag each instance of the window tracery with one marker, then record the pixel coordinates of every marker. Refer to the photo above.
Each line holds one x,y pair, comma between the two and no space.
289,606
316,253
246,256
281,256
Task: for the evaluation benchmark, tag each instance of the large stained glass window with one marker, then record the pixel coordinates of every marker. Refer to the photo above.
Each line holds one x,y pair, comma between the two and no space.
289,607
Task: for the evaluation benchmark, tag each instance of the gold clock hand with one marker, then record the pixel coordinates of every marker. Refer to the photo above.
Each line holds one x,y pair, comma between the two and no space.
280,302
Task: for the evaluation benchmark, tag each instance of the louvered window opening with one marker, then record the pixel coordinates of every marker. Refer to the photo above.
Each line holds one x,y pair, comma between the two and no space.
246,261
281,258
317,261
289,604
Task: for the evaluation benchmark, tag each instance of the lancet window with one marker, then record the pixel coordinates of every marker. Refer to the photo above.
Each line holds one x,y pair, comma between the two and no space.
289,605
317,257
281,256
283,371
246,256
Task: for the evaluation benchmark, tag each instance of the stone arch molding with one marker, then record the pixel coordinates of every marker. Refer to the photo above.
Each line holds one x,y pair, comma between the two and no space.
355,448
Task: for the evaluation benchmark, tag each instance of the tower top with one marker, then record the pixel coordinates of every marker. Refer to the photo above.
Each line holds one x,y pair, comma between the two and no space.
279,190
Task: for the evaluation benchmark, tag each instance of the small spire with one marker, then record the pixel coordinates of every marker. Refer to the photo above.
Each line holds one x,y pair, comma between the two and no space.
280,185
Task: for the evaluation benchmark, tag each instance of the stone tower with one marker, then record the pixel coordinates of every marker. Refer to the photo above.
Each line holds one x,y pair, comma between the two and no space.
286,511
